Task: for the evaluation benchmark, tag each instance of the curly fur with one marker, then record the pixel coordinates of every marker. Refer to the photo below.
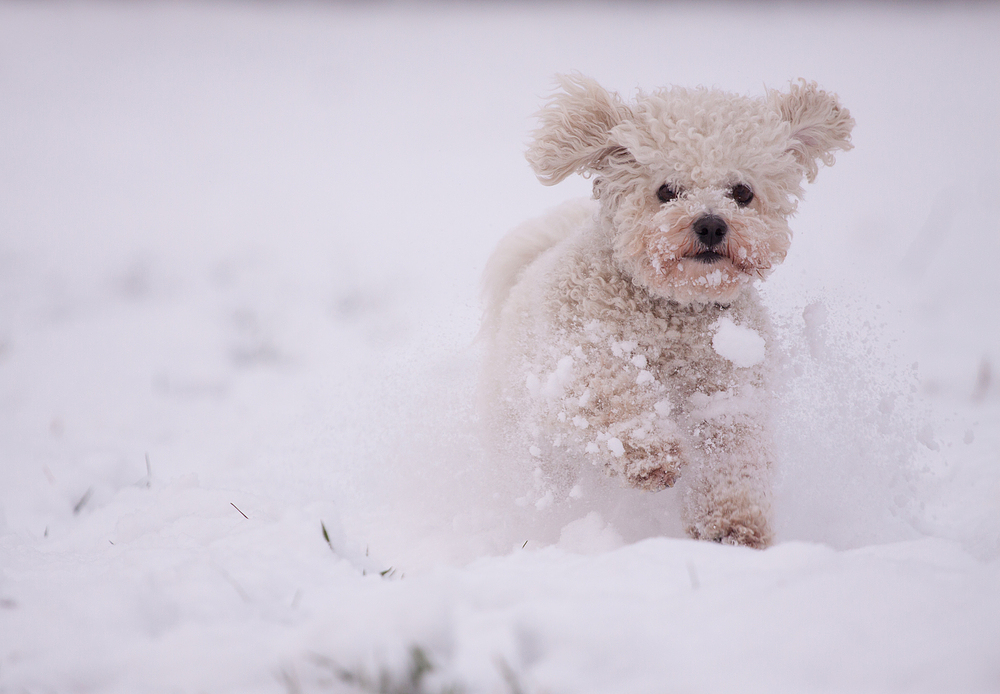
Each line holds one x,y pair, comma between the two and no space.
602,318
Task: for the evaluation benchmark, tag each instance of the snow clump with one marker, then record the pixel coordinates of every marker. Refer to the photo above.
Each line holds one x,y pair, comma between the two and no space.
740,345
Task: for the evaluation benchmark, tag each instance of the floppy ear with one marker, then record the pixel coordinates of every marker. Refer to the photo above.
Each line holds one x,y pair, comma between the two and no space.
820,125
575,127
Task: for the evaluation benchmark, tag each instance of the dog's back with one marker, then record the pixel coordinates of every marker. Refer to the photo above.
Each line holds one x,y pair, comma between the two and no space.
522,245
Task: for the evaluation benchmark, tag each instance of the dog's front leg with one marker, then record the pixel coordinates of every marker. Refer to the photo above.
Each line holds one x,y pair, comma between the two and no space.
613,410
729,495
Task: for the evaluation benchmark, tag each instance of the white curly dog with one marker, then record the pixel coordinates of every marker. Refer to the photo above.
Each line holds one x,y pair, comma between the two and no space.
628,333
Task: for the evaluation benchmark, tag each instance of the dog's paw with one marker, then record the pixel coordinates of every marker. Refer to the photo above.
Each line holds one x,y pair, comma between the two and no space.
750,529
652,480
656,471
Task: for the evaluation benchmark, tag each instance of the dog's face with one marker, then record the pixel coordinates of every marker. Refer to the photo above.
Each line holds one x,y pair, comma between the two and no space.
696,186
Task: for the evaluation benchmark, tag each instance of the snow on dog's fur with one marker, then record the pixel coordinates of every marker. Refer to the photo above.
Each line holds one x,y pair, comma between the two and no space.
627,333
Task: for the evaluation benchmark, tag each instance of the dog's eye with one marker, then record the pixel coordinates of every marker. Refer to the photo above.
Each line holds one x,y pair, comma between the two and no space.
742,194
666,193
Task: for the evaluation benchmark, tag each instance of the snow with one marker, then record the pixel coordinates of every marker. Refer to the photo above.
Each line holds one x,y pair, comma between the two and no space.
616,447
239,266
739,344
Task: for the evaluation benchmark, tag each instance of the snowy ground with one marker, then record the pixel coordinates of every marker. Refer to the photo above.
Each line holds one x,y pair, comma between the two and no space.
239,260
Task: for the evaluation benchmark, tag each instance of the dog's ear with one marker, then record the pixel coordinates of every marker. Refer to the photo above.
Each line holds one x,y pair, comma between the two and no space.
819,124
575,128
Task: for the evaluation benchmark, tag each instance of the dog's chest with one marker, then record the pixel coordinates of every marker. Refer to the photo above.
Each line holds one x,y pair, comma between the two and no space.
677,345
621,324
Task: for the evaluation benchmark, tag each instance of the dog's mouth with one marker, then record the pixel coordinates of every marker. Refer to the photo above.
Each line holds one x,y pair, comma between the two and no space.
707,257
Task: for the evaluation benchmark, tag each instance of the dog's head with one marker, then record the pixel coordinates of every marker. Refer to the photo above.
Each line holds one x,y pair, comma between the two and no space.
695,185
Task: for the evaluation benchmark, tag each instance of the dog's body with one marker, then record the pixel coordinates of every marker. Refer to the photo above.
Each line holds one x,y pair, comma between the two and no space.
628,333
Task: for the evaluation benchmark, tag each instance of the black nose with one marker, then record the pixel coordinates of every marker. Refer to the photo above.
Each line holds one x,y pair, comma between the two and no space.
710,230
